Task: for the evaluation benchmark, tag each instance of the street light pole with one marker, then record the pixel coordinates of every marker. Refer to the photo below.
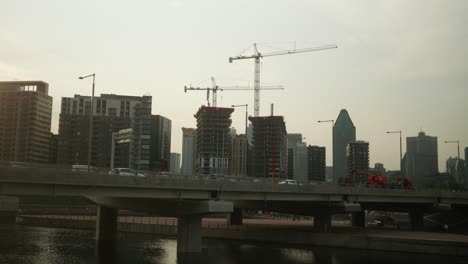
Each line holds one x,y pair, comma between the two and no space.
458,146
90,133
401,151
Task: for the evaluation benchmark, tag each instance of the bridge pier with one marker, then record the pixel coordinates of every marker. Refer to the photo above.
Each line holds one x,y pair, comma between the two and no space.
189,236
416,219
358,219
235,218
106,227
322,222
9,207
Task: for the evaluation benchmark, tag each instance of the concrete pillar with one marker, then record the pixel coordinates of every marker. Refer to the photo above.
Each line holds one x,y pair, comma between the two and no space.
322,222
416,219
358,219
106,224
235,218
189,237
9,207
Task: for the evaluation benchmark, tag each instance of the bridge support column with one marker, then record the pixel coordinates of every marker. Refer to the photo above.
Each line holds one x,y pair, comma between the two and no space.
106,225
322,222
416,219
189,237
358,219
235,218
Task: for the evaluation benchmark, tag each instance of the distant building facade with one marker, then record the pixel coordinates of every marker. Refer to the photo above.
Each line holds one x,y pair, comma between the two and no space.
238,163
269,147
53,148
357,154
111,113
379,167
160,143
175,163
344,132
316,170
213,140
293,139
300,162
188,151
25,120
421,159
456,170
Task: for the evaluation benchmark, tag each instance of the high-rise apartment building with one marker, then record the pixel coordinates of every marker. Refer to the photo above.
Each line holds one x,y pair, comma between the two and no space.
293,139
175,163
344,132
316,163
160,143
269,147
25,118
456,169
300,162
213,140
188,151
421,159
238,163
357,154
111,113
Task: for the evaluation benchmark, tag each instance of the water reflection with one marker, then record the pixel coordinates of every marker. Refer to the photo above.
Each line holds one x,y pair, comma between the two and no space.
48,245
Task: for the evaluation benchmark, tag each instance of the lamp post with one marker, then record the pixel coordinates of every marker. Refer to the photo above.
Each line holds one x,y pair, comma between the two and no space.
458,146
246,140
90,139
401,154
333,157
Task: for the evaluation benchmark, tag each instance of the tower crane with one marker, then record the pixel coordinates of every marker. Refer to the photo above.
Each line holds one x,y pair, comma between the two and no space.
257,55
215,88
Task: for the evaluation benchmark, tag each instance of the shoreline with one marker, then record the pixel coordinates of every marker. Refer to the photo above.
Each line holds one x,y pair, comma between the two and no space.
380,240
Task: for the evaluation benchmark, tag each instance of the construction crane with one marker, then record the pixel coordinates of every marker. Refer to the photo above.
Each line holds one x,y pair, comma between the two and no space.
215,88
257,55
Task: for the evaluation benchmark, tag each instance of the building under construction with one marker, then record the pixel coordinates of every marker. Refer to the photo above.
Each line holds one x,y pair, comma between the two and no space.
213,141
270,152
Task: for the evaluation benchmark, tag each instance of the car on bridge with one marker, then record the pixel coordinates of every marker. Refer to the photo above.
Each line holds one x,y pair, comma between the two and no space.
125,172
289,182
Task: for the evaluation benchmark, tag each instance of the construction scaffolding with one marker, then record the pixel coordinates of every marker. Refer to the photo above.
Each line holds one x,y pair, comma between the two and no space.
213,141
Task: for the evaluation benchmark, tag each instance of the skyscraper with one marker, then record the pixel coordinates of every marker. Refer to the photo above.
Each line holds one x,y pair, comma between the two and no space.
344,132
456,169
269,147
188,151
213,140
293,139
25,118
160,143
238,163
111,113
175,163
300,162
421,158
357,154
316,163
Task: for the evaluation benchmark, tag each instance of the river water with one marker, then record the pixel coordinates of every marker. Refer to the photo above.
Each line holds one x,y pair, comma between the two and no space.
65,246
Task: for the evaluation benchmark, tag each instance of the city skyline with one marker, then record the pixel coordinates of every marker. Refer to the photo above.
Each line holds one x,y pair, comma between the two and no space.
383,72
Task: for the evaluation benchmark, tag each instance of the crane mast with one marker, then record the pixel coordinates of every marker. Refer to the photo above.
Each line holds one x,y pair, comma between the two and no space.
257,55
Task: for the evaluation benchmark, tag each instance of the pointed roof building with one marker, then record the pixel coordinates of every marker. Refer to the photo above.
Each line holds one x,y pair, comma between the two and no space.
344,132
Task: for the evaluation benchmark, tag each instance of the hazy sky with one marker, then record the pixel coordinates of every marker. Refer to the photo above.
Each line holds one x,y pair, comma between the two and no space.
399,65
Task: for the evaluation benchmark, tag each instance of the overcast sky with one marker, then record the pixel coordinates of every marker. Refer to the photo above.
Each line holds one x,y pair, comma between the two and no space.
400,65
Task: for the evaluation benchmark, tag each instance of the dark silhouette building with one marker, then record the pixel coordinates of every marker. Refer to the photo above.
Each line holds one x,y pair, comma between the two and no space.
421,159
293,139
269,147
53,148
111,113
357,154
25,119
316,163
160,143
213,140
344,132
